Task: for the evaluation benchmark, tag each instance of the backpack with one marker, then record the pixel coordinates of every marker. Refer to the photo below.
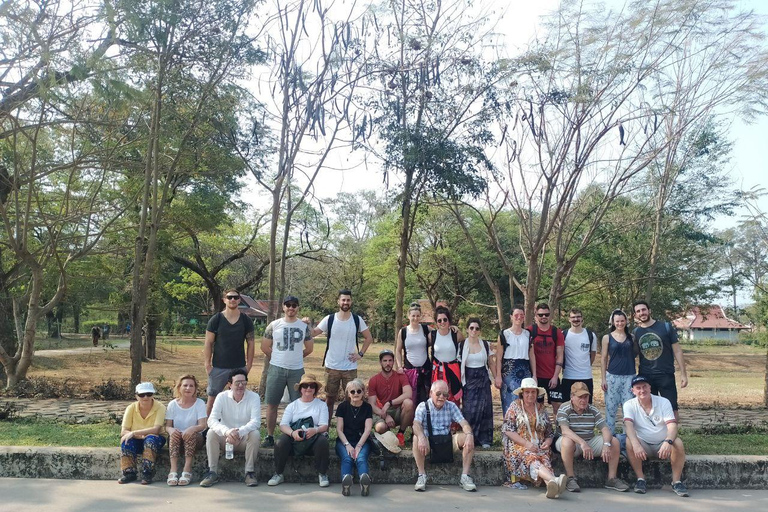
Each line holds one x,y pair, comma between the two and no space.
505,343
404,333
535,332
331,318
431,340
590,334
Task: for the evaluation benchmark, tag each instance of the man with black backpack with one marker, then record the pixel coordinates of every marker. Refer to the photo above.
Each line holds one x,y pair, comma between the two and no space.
656,343
548,345
580,351
226,335
342,351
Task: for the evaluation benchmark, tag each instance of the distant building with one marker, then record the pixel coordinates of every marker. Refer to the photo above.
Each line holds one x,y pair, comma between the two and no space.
702,322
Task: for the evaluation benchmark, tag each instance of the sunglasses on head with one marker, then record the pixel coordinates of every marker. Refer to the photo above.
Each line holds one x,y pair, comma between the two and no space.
233,297
356,391
542,315
291,305
144,395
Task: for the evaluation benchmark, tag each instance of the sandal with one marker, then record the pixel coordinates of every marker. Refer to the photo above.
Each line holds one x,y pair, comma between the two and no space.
173,479
185,478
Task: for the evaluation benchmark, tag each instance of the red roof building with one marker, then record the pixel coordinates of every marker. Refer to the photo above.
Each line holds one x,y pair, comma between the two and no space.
702,322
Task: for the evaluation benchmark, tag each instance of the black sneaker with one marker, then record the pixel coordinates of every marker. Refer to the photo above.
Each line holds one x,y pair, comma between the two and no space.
680,489
269,442
640,487
365,484
209,479
346,485
127,478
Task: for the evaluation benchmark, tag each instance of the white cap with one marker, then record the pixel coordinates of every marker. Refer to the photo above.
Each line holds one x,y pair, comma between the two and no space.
145,387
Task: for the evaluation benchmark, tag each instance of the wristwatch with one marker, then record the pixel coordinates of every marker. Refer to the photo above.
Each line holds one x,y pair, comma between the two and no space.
670,441
361,353
606,444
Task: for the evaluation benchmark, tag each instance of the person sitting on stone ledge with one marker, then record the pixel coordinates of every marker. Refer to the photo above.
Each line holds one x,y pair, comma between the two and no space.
185,421
141,435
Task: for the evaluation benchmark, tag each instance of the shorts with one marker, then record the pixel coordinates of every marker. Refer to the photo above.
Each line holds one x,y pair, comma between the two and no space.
651,449
664,385
336,380
395,412
565,387
596,443
554,395
218,379
277,380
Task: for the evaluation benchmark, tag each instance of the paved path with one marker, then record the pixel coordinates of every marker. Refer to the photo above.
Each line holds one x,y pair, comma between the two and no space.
79,495
82,409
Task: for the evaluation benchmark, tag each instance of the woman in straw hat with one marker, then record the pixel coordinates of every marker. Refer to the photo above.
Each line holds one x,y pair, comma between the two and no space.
527,438
305,430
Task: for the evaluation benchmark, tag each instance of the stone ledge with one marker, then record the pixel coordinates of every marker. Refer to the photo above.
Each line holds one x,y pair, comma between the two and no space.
702,471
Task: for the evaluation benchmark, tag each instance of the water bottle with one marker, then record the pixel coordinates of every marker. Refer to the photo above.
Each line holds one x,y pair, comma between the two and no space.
230,451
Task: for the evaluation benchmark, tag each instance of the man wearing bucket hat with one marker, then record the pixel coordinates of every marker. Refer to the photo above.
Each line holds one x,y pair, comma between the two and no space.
389,393
578,420
287,341
651,428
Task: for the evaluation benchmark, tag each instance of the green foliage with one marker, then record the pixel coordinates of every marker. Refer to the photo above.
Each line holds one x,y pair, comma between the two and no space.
46,432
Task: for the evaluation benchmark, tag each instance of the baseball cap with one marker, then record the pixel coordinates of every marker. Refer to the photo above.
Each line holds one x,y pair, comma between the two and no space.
637,379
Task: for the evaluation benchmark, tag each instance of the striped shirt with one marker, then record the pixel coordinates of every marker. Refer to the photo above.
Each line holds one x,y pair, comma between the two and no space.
584,424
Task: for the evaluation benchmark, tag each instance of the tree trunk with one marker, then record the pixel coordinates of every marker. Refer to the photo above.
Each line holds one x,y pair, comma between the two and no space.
402,260
150,339
531,288
76,318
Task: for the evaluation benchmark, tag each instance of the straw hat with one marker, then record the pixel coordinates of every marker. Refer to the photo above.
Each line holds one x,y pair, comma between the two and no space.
388,440
308,378
529,383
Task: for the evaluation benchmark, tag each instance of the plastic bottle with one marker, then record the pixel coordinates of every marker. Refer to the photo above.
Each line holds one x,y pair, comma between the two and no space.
230,451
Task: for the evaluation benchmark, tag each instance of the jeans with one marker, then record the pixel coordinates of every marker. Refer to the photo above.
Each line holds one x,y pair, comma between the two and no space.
348,463
619,391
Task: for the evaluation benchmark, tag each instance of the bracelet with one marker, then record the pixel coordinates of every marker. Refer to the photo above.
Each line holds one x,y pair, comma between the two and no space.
361,353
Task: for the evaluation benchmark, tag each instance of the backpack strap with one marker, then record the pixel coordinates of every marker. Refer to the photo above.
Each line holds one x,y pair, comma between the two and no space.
534,331
328,341
503,341
356,319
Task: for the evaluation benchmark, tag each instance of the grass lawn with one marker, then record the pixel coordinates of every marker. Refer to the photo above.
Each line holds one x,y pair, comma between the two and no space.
725,444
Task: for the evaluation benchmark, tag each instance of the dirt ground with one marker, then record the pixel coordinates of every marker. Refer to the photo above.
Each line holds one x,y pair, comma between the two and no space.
731,376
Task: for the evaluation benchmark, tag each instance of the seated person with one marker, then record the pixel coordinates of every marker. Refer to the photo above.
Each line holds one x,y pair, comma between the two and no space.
305,430
140,435
389,393
651,428
235,419
442,413
578,420
354,419
185,421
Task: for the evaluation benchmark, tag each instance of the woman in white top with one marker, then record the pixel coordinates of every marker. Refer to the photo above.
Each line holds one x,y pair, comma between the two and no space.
515,358
411,355
445,354
476,378
185,420
305,430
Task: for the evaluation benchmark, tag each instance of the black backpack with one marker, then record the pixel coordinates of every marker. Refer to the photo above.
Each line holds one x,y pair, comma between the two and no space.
505,343
431,340
331,318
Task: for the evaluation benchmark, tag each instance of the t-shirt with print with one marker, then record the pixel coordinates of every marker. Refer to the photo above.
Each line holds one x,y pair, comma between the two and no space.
229,346
354,419
655,344
287,343
387,389
185,418
577,364
545,349
342,343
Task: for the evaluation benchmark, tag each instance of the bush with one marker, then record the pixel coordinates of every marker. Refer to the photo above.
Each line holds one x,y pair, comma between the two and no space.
758,339
8,411
43,387
112,390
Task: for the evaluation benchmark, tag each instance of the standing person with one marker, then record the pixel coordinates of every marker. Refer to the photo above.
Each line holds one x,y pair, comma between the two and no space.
476,378
515,357
548,346
342,351
389,394
445,353
287,341
305,430
224,350
185,420
659,349
140,435
617,365
236,420
411,355
579,354
354,420
651,429
95,335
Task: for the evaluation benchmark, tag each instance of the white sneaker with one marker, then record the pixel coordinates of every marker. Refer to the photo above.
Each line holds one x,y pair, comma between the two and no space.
467,484
323,480
276,480
421,483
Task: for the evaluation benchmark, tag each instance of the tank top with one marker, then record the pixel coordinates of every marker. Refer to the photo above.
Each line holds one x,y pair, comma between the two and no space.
444,349
415,347
621,356
476,360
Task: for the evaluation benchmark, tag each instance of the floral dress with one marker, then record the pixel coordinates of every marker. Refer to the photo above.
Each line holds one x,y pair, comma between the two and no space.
519,462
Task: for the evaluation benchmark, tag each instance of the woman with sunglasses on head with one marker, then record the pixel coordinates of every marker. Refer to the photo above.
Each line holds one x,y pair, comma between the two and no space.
476,379
617,366
305,430
141,435
445,353
185,421
411,355
515,357
354,419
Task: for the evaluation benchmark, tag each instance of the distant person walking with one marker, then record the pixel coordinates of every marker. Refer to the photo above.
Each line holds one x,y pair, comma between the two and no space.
95,335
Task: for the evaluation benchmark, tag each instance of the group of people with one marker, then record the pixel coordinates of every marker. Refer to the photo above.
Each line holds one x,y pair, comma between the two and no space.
436,381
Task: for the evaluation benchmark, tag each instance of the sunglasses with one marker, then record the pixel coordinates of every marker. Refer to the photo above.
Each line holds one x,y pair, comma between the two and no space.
291,305
306,386
542,315
239,382
355,391
442,320
474,328
233,297
441,393
144,395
